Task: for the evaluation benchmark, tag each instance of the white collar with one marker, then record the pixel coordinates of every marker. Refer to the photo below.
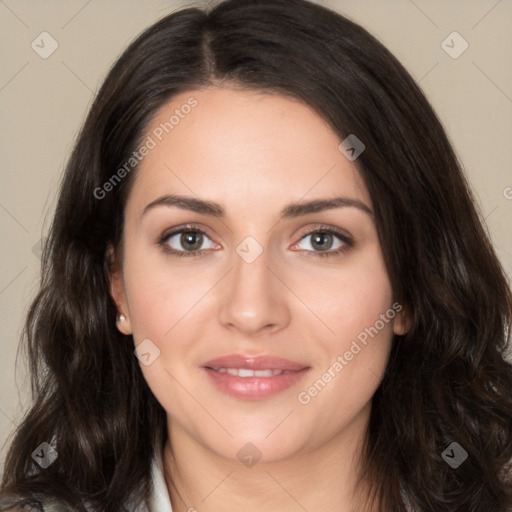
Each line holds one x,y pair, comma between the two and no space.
159,500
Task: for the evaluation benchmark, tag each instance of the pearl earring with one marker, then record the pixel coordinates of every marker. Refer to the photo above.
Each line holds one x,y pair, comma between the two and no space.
122,318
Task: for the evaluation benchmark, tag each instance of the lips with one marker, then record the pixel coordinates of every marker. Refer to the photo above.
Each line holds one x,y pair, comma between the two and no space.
264,362
247,372
253,377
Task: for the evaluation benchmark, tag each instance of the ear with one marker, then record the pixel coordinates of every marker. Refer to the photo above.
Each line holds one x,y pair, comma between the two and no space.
402,321
117,292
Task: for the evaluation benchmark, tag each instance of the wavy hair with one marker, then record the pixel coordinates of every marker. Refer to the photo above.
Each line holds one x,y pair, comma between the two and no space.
448,379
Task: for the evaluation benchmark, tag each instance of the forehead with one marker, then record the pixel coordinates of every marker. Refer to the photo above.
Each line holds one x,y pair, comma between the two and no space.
248,149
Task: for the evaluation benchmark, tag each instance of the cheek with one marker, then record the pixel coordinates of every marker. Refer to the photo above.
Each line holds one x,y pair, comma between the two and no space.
159,294
161,301
353,298
357,307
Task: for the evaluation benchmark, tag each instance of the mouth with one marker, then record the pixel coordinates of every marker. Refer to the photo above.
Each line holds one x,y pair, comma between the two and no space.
247,372
253,377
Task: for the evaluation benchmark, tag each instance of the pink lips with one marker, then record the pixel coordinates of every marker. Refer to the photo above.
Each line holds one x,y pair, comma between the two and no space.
275,374
254,362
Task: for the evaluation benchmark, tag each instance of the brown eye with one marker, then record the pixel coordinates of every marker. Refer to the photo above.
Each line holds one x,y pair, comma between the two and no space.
191,240
322,240
187,241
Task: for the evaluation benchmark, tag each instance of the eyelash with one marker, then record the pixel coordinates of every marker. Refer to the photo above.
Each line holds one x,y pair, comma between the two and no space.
347,241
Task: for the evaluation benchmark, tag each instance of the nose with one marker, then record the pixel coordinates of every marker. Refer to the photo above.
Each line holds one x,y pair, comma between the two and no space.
254,297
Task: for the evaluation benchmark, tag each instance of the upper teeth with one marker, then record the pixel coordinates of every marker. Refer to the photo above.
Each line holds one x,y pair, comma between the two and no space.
246,372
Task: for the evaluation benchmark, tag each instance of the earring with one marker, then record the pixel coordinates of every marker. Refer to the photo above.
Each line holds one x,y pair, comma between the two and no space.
122,318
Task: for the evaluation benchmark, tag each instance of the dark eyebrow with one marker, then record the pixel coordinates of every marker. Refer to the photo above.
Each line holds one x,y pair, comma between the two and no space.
292,210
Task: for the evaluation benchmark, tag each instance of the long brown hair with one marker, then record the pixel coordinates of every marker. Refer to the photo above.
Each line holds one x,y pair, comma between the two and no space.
448,379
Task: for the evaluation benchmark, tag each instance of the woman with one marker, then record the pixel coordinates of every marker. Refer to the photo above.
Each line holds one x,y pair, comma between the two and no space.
334,336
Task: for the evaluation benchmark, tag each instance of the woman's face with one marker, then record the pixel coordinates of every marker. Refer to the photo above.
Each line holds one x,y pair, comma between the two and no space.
260,288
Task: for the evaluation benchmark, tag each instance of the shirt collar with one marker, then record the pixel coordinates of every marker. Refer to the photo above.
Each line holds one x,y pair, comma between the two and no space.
159,500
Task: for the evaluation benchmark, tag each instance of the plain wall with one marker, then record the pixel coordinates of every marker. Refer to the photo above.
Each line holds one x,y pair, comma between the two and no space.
43,103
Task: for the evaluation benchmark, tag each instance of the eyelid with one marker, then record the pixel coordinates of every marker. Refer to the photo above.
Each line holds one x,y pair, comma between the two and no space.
326,227
189,226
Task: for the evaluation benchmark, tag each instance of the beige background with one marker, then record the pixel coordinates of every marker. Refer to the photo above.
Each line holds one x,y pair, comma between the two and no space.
43,103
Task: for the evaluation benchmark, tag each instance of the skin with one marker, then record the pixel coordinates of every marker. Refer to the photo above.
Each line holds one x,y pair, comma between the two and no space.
254,153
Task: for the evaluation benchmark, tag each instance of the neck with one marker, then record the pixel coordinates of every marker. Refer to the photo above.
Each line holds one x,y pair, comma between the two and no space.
323,477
